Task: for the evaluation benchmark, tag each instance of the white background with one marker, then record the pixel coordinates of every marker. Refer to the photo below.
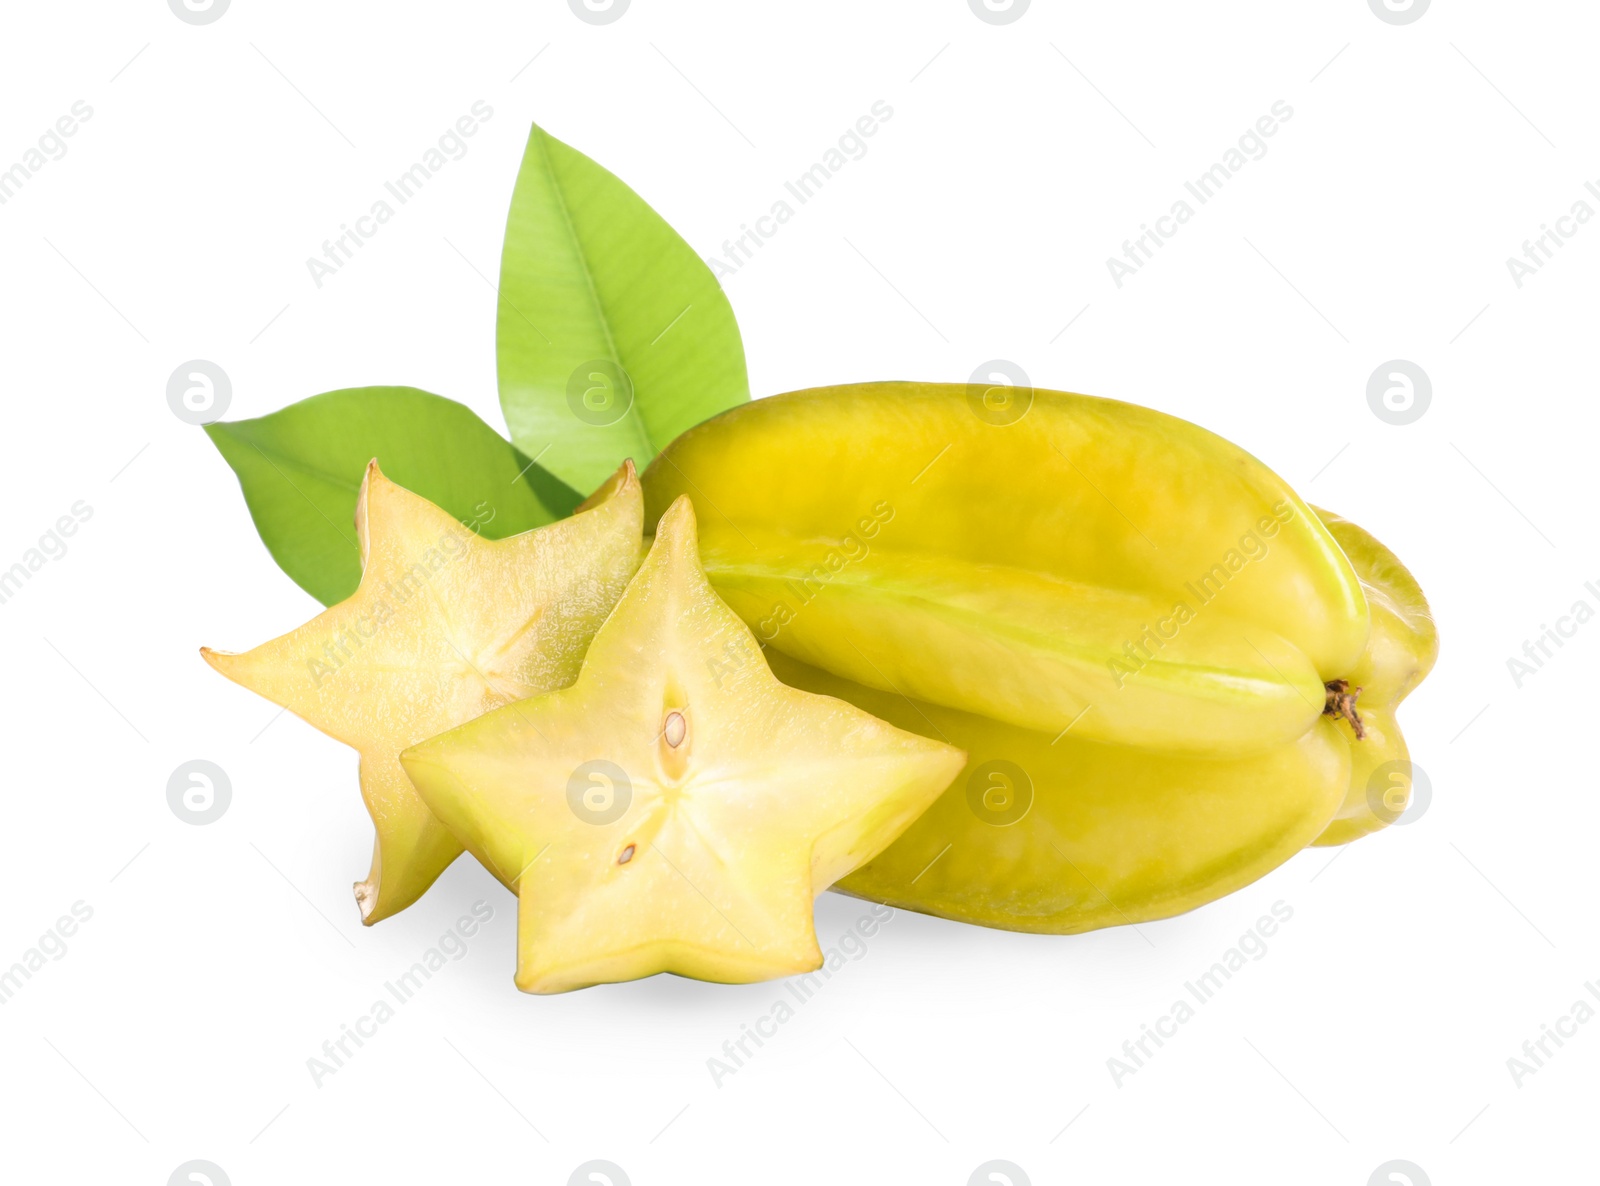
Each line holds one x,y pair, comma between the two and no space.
1019,157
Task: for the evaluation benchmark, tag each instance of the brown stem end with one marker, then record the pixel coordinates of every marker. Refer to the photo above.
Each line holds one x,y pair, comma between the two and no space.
1342,703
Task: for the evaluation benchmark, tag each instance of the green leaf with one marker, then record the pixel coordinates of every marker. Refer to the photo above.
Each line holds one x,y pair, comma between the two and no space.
613,335
301,469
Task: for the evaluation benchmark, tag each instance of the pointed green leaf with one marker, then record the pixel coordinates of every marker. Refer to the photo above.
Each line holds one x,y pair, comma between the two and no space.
301,469
613,335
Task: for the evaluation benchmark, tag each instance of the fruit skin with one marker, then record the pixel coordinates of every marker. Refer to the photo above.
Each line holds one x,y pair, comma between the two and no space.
677,809
1401,651
967,525
444,626
1116,836
1109,835
1091,564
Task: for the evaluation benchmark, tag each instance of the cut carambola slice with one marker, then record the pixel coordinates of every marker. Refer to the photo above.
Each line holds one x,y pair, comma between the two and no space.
678,808
444,626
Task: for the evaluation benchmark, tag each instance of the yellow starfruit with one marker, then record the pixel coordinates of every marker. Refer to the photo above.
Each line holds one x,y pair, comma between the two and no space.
1149,644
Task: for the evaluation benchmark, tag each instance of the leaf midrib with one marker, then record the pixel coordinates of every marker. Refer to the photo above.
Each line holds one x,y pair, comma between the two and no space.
640,427
294,463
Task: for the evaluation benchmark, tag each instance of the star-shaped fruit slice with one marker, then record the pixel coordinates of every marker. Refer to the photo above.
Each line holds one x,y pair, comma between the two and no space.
677,809
444,626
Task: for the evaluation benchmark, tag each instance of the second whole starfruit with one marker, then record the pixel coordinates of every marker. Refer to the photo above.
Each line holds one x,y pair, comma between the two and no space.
1168,671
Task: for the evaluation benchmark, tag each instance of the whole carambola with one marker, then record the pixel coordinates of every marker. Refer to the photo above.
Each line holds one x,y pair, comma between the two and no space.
1144,639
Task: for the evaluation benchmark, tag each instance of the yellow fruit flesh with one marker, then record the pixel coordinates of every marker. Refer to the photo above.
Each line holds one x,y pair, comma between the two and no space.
444,626
1093,563
678,808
